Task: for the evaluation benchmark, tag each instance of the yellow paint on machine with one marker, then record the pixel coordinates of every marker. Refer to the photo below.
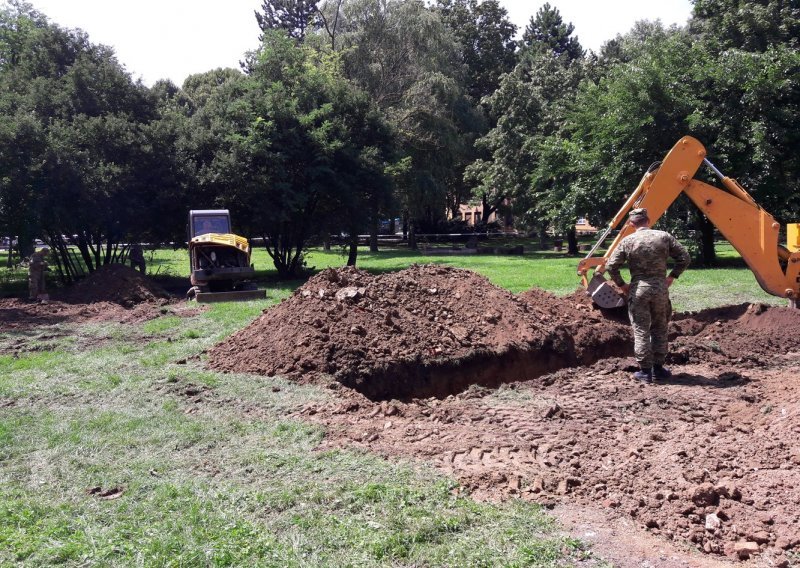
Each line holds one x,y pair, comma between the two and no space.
793,237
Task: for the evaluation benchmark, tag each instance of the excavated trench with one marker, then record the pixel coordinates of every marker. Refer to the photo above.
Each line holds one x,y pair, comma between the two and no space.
421,332
404,380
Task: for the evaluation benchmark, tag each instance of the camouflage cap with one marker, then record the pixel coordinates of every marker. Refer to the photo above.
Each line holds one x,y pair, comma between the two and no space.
637,214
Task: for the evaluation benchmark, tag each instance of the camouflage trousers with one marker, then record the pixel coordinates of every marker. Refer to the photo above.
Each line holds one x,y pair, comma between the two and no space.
35,283
649,309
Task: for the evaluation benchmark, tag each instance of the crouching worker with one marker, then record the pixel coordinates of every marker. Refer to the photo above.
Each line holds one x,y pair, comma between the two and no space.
646,251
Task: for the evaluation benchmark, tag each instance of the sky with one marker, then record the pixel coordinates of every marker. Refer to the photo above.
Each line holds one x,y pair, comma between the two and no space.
172,39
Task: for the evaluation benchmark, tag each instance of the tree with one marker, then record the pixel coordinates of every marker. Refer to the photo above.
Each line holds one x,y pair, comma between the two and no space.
295,17
621,124
530,104
309,146
750,25
740,105
486,39
547,32
402,55
82,121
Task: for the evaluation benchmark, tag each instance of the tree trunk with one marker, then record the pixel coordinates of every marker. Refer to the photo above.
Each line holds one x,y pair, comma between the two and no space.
373,233
543,237
83,247
392,226
708,254
572,241
326,241
25,246
353,255
405,226
412,235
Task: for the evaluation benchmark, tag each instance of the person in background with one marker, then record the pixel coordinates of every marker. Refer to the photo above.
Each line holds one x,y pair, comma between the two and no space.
37,266
137,258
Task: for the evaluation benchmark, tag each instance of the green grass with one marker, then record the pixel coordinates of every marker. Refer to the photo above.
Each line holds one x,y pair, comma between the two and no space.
231,480
700,287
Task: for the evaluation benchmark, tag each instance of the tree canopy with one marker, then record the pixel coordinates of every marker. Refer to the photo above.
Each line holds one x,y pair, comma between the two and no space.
355,111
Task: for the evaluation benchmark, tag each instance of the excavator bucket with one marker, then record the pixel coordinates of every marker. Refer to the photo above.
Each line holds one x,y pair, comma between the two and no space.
604,294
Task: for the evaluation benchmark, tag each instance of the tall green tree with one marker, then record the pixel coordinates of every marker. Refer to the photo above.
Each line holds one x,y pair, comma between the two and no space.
749,25
739,104
404,57
84,122
310,147
486,39
530,104
295,17
547,32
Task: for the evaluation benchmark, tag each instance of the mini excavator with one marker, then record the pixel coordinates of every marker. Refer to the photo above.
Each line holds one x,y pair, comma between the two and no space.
220,268
750,230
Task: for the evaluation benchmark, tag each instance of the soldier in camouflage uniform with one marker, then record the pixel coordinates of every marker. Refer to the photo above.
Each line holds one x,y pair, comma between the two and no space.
36,269
646,251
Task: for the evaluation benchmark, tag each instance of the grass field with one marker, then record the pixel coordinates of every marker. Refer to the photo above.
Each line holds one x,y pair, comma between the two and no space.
204,469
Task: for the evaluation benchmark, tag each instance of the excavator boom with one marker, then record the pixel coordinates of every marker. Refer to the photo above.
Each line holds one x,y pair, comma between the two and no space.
753,232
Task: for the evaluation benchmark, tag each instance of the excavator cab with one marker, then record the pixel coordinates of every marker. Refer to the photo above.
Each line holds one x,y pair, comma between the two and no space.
220,268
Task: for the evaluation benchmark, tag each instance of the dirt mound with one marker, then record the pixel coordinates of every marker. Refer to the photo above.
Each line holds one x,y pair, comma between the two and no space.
115,283
424,331
747,335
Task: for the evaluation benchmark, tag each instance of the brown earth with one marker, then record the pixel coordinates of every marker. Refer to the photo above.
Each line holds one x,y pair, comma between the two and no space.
707,459
115,283
112,293
424,331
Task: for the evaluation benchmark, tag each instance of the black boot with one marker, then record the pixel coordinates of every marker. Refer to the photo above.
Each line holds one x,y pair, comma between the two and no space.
660,372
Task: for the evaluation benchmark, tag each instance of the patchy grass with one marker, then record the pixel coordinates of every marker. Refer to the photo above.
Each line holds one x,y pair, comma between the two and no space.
211,469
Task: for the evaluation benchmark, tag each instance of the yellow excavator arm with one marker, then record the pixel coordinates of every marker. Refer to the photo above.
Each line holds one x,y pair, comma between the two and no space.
753,232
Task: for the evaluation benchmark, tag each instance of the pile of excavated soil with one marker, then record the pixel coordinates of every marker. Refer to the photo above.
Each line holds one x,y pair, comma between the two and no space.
115,283
424,331
111,293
